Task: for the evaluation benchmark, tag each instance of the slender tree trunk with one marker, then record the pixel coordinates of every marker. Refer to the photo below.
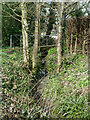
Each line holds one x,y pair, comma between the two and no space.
39,25
67,41
60,12
75,49
71,44
35,46
83,47
25,35
63,33
71,48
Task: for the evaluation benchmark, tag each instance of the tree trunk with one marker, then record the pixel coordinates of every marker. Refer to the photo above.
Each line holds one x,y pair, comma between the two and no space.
71,47
60,12
71,44
67,41
25,35
83,47
35,46
75,49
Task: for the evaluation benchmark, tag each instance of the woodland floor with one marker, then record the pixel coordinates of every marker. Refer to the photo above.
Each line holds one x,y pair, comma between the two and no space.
63,95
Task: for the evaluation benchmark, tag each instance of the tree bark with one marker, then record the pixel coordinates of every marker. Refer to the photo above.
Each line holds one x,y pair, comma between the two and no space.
71,44
83,47
25,35
35,46
71,47
75,49
67,41
60,12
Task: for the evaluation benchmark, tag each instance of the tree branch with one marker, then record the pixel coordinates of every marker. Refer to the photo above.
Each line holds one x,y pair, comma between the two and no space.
13,10
11,15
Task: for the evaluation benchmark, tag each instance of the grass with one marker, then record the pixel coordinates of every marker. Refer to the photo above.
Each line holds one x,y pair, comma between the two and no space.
63,95
67,92
16,83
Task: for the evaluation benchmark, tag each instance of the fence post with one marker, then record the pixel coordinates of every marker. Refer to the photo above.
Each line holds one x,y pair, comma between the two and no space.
10,41
20,43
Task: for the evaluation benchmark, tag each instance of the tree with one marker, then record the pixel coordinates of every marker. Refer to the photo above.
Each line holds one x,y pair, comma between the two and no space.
10,26
25,34
22,18
12,11
60,12
35,46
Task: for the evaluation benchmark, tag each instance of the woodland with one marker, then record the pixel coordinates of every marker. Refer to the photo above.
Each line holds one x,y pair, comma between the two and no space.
45,60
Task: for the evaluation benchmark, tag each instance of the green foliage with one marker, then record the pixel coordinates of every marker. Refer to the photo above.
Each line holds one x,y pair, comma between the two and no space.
9,25
47,41
67,92
77,13
51,60
38,61
52,19
16,85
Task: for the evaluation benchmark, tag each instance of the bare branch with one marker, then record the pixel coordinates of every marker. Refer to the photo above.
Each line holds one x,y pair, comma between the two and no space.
11,16
13,10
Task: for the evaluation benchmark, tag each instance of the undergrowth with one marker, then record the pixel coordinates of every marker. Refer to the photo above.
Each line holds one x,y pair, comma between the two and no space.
66,94
18,102
63,95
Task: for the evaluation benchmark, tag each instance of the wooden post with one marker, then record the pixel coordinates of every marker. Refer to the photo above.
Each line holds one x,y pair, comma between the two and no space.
10,41
20,43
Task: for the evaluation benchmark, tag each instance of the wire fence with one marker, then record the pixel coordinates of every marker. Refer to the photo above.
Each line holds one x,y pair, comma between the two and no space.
46,42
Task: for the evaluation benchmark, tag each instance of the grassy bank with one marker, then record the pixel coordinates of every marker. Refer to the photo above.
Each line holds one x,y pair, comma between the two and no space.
63,95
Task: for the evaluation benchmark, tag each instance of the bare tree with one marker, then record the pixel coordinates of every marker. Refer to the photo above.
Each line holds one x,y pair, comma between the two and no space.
35,46
75,49
71,43
60,12
25,34
24,23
